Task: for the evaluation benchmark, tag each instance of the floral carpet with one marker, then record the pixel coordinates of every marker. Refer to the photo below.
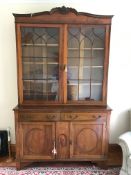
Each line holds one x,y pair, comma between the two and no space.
66,170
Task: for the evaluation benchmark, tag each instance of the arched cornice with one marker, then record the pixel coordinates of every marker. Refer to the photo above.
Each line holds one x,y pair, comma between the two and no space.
62,10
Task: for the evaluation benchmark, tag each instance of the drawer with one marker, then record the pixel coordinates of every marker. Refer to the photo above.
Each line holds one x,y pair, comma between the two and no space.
23,117
83,116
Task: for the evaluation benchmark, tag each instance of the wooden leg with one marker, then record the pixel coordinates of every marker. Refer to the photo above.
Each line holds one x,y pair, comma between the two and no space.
18,165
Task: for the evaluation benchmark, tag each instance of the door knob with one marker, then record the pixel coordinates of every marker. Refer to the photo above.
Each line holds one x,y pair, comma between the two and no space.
54,149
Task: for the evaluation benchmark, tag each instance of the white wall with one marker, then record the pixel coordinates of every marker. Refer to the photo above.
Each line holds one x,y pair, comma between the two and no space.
119,84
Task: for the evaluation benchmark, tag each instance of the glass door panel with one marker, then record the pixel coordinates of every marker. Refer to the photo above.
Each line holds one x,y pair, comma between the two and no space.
85,62
40,60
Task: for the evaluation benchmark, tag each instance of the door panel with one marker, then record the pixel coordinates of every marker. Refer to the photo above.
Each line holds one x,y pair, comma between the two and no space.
87,139
37,140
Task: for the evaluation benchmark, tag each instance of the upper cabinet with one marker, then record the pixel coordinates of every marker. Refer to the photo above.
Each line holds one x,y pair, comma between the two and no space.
62,57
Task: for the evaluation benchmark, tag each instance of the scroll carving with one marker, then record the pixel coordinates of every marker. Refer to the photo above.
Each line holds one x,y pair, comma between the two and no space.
62,140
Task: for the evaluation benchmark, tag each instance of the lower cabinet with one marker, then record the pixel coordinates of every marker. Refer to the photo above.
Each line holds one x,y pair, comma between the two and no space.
61,136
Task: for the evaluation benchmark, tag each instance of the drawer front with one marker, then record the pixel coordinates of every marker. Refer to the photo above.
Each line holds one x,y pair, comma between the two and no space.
84,116
25,117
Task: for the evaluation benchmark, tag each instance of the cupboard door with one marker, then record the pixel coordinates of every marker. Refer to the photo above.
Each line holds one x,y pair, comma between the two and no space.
40,55
62,140
37,140
85,63
87,139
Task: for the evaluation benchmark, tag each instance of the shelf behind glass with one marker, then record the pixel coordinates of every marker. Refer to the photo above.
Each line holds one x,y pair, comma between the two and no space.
86,54
40,44
40,60
85,72
89,48
36,62
36,51
40,71
84,91
40,90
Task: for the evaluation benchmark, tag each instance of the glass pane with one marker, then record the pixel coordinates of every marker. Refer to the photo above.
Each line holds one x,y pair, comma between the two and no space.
33,89
72,72
84,91
34,71
73,53
33,59
72,90
97,73
53,52
40,51
38,35
40,57
53,91
96,91
86,61
53,71
40,90
53,60
98,57
73,61
85,72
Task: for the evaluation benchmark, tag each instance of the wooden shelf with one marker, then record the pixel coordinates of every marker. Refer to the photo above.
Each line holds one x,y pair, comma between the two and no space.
84,66
81,84
41,80
41,62
101,48
40,44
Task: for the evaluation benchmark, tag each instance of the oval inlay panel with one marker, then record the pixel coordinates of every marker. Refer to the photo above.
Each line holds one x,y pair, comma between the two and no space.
87,140
62,140
33,142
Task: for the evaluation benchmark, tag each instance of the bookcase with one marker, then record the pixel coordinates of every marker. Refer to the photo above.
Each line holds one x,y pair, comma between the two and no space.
62,65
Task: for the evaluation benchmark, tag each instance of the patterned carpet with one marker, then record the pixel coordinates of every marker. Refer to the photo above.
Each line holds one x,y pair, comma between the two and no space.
66,170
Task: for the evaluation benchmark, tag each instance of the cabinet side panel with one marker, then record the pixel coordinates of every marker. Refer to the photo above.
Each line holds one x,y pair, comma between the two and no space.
19,64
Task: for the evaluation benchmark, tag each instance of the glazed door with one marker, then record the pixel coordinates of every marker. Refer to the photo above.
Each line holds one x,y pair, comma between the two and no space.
88,140
40,56
37,140
86,47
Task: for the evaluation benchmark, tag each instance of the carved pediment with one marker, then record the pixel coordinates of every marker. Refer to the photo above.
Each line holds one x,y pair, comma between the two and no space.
62,10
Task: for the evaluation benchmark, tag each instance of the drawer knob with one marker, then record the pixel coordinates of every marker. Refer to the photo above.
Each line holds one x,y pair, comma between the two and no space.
50,117
54,151
73,117
96,117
